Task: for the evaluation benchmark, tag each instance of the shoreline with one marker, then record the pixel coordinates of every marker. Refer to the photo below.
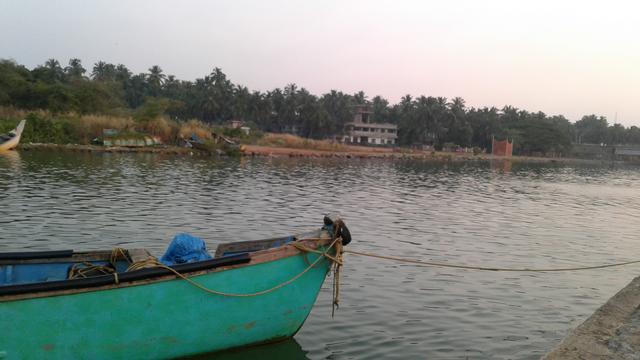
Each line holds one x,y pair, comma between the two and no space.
350,152
611,332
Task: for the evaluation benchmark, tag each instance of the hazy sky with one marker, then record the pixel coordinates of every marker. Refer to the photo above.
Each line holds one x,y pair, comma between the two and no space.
559,57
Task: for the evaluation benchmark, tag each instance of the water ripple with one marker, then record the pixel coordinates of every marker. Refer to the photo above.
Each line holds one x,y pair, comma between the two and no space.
474,214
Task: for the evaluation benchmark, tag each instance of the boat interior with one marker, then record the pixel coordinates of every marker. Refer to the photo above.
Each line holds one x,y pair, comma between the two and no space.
6,137
20,268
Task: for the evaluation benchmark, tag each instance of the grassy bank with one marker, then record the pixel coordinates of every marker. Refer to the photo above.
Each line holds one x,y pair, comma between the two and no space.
71,131
295,142
71,128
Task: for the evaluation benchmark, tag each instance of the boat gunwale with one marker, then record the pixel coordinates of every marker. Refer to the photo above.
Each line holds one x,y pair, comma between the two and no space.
152,275
20,256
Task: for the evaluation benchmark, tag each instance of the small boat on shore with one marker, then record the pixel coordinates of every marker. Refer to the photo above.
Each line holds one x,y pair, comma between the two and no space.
125,304
12,139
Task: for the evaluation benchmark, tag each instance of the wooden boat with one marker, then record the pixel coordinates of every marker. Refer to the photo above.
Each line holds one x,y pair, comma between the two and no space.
269,289
12,139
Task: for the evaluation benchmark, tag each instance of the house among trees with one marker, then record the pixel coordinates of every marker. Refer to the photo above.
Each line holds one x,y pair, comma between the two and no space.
363,131
236,123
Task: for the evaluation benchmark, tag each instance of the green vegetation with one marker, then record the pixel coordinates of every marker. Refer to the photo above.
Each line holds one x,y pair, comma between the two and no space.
64,98
71,128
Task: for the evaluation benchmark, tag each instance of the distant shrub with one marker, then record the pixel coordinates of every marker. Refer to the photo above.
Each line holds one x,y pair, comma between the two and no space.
449,146
42,130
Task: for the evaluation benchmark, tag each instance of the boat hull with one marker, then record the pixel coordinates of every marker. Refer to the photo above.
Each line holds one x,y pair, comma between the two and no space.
13,142
164,319
10,144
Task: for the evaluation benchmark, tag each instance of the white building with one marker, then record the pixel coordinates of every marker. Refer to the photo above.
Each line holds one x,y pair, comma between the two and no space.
362,131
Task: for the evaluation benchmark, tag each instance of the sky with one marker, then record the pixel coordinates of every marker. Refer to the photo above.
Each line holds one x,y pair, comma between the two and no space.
560,57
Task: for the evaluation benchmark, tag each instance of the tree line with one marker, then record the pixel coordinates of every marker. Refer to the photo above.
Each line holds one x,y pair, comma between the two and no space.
113,89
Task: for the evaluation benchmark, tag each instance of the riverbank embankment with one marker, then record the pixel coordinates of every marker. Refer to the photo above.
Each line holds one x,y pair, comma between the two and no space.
612,332
365,152
175,150
346,152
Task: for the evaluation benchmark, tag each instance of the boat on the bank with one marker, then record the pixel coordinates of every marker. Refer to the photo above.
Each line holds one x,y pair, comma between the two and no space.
125,304
12,139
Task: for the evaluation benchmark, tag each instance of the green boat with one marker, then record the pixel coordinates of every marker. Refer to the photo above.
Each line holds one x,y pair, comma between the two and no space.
124,304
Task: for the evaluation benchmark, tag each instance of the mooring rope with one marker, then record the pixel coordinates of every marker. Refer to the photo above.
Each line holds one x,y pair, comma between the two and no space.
337,263
152,262
482,268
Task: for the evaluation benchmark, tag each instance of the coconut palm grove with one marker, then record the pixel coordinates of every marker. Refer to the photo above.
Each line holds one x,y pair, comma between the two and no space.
114,90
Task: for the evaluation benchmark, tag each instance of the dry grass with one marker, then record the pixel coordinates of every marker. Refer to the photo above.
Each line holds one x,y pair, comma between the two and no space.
191,127
166,130
87,127
81,129
295,142
9,112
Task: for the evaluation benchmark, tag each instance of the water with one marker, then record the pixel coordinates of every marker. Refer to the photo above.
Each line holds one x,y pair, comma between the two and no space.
475,214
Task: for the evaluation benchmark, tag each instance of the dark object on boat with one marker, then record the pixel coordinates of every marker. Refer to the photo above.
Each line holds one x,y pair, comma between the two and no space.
338,228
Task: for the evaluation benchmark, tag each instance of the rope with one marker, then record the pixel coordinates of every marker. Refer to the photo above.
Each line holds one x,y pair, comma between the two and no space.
153,262
336,277
118,253
337,263
87,269
437,264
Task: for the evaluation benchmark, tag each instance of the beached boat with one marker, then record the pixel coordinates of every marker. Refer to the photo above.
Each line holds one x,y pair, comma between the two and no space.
12,139
126,305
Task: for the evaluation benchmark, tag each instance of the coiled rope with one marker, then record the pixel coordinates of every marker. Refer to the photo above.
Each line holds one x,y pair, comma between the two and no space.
482,268
86,269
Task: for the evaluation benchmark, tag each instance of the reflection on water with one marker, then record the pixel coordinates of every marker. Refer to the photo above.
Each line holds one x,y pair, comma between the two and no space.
9,159
503,165
288,349
463,213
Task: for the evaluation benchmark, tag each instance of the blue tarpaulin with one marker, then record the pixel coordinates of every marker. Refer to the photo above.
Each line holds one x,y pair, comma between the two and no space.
185,248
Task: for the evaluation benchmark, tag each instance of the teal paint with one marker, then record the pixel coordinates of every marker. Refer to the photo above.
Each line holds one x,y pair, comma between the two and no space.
164,319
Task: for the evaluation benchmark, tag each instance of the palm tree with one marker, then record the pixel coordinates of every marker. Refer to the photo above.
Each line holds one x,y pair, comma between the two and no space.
54,70
103,71
98,70
122,73
156,78
75,70
241,103
360,98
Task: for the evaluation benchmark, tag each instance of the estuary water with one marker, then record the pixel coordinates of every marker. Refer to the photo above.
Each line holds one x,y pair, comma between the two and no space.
478,213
